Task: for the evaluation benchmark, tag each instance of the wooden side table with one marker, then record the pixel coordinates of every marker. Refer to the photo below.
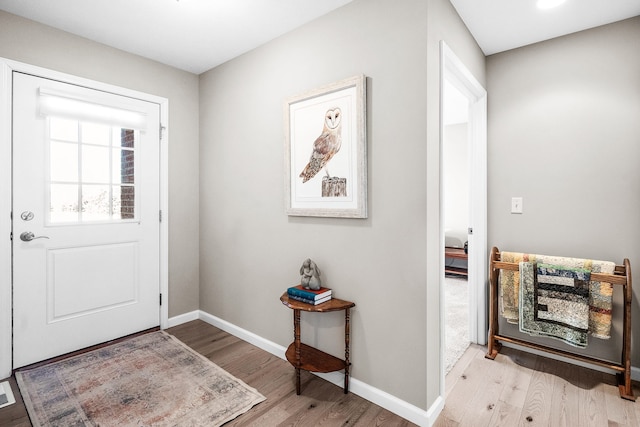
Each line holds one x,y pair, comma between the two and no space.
303,356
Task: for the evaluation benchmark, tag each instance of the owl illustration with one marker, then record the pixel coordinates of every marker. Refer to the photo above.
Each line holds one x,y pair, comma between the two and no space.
325,146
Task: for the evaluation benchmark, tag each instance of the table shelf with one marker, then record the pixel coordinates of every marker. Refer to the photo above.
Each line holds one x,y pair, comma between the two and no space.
314,360
303,356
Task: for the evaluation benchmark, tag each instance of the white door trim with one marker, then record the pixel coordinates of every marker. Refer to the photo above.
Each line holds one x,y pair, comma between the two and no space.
455,72
7,66
5,221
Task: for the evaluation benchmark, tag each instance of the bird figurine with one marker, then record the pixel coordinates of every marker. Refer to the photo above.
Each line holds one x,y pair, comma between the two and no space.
310,275
325,146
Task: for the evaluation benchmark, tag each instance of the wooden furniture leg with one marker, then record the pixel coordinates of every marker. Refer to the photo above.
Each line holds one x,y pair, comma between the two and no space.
492,344
346,351
296,335
624,378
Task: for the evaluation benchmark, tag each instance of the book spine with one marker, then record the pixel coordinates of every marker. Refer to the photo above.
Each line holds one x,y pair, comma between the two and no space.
303,294
306,300
307,295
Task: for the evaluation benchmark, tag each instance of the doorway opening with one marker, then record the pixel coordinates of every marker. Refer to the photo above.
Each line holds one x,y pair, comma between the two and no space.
455,198
458,87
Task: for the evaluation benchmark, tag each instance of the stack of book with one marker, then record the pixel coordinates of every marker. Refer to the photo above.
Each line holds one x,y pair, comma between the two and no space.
309,296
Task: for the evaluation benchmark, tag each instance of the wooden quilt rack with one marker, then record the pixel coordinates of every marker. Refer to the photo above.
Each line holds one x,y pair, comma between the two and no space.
621,276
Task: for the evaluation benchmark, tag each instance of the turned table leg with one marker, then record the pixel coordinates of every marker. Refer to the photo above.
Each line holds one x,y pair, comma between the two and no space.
346,351
296,335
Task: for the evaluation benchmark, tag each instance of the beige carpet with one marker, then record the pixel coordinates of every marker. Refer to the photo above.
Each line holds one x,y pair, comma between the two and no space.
456,303
149,380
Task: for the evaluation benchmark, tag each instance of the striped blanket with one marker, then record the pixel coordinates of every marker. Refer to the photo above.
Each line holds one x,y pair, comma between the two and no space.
510,287
599,295
554,302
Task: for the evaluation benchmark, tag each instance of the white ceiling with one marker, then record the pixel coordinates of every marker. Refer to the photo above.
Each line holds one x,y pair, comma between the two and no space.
500,25
193,35
197,35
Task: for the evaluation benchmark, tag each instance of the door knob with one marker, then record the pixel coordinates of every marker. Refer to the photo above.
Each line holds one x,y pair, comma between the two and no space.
28,236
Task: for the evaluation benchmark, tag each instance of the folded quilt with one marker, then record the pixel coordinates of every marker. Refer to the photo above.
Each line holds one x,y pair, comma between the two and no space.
600,293
510,287
601,301
554,302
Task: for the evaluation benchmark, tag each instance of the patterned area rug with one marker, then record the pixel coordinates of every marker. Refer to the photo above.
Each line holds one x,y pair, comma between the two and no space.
151,380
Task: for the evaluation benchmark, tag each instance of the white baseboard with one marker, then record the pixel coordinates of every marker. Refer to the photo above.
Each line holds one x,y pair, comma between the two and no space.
435,410
243,334
372,394
381,398
183,318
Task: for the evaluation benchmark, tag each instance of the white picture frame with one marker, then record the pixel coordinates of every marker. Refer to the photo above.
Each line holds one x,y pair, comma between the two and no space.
326,151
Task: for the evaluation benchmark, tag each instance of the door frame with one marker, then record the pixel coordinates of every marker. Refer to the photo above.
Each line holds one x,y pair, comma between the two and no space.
454,71
7,67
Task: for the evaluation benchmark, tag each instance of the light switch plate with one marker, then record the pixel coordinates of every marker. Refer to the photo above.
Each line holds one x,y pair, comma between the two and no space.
516,205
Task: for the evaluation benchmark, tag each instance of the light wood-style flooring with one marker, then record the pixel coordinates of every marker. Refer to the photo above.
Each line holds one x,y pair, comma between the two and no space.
522,389
320,402
517,389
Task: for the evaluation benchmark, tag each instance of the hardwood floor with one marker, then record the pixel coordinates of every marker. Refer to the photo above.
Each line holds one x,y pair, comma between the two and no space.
320,403
522,389
517,389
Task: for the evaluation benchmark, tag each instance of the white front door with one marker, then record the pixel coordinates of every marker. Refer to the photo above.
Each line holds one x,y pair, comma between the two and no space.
85,217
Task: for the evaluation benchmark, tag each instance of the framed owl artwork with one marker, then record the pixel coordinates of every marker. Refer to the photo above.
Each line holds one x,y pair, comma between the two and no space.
326,151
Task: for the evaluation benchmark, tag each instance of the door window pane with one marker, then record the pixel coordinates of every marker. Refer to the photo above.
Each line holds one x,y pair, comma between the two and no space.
63,158
64,203
92,172
63,129
95,164
123,166
126,138
124,198
96,203
93,133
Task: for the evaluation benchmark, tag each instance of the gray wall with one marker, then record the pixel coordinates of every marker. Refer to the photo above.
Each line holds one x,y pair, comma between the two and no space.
564,133
251,250
32,43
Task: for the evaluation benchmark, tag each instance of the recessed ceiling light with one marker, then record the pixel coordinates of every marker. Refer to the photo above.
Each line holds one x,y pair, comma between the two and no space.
549,4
